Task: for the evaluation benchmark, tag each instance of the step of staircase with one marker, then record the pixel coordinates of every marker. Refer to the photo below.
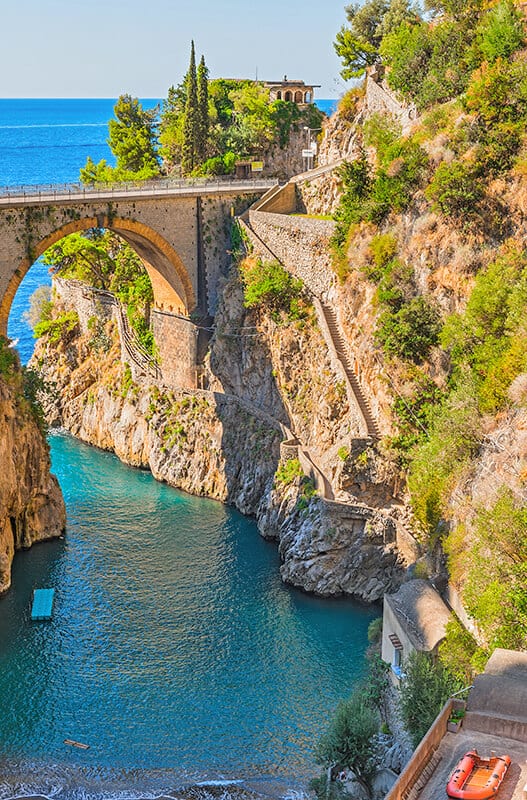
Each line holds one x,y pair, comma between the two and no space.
341,348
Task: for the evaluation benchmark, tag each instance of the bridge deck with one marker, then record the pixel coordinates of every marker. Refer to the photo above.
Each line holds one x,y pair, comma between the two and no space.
33,195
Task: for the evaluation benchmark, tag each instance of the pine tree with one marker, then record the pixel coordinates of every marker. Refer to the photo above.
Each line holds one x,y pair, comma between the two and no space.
191,125
203,109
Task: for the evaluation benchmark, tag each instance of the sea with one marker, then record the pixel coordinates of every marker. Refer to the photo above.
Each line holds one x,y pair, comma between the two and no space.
175,652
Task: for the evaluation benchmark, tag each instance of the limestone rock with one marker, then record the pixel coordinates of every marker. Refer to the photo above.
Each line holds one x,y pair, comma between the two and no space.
31,504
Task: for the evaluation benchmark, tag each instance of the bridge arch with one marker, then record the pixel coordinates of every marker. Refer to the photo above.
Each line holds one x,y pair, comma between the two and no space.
171,283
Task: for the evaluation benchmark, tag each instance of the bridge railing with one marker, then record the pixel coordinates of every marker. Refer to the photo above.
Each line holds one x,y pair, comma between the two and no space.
161,186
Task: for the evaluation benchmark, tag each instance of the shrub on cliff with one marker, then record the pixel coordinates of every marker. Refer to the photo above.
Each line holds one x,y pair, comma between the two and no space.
456,190
489,338
269,286
493,570
425,688
349,740
57,328
411,331
8,359
453,440
460,654
500,33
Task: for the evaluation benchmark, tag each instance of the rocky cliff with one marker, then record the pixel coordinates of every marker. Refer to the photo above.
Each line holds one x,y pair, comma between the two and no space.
224,442
31,504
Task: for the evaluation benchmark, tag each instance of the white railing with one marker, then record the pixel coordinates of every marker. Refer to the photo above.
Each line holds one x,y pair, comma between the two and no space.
166,186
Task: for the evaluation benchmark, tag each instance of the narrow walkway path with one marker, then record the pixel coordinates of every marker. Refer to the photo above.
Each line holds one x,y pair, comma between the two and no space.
134,350
338,343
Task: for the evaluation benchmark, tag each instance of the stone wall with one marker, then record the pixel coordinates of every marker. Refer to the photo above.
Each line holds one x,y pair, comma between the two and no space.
177,340
282,201
301,244
86,301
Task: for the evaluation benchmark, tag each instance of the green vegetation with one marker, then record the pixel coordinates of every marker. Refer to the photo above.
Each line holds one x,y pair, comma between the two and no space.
459,653
288,471
375,631
8,359
269,286
26,382
493,567
57,328
206,126
370,194
203,128
424,690
132,140
358,45
349,741
103,260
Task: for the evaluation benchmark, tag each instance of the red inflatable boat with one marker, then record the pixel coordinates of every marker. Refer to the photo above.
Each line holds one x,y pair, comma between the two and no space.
477,778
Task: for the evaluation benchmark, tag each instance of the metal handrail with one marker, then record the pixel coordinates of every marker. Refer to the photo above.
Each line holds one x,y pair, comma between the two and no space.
64,191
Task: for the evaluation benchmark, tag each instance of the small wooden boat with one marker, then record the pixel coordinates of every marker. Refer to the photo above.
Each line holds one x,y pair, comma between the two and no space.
73,743
477,778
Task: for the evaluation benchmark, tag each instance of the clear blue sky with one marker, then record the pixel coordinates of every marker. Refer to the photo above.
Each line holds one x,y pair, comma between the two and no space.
102,48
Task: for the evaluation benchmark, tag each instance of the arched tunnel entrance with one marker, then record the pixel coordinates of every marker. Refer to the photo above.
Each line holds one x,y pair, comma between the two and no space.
175,335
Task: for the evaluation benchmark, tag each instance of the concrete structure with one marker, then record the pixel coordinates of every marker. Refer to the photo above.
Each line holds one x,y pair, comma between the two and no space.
180,230
414,619
293,91
496,720
497,703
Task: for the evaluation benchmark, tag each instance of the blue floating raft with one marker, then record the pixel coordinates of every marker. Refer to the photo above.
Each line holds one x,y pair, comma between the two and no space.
42,604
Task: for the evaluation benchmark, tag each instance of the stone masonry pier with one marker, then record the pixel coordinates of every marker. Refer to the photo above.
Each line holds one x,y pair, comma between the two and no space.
181,231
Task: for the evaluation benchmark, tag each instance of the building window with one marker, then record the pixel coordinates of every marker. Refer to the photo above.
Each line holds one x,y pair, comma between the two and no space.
307,97
397,658
288,97
279,95
298,97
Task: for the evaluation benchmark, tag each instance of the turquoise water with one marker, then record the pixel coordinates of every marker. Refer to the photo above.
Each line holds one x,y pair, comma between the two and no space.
173,645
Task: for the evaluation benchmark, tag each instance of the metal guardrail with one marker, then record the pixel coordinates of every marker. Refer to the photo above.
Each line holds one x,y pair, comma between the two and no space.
78,191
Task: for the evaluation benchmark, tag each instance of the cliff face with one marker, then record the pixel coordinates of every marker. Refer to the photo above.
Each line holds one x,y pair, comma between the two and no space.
31,504
224,442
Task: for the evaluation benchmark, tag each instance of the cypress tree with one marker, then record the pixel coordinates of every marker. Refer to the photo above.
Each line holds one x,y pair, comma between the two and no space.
190,158
203,109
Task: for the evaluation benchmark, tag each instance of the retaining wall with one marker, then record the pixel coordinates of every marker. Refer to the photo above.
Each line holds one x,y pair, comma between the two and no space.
301,244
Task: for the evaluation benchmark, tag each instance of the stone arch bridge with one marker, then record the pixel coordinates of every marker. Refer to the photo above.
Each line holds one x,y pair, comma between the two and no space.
180,229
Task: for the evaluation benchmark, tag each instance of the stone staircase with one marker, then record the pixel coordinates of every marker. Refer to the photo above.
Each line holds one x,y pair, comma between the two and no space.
337,340
134,351
342,351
